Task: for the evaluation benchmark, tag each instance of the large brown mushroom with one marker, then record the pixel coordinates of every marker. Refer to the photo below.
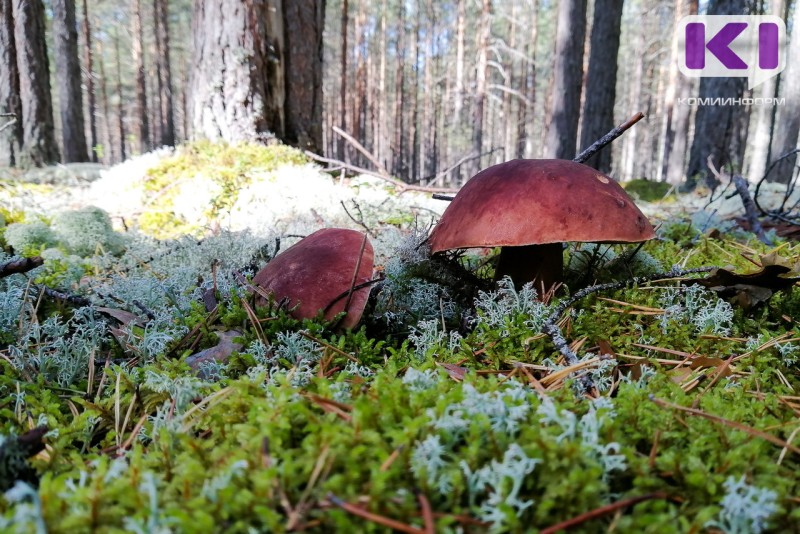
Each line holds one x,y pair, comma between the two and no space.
326,271
529,208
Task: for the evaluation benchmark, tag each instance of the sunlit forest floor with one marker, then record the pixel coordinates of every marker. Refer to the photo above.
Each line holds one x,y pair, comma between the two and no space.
144,390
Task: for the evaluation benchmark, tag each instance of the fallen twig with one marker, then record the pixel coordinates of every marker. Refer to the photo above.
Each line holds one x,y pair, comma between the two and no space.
375,518
603,510
73,300
401,186
20,265
551,328
727,422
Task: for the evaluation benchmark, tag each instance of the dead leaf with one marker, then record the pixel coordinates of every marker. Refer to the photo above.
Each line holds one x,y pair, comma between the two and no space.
220,352
751,289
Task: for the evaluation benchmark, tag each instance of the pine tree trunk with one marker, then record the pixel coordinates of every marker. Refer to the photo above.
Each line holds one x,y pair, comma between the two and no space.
562,132
165,73
343,80
120,99
675,153
245,56
88,58
458,103
10,104
398,160
141,122
484,31
304,21
68,78
39,143
411,104
110,151
719,131
527,130
601,80
787,127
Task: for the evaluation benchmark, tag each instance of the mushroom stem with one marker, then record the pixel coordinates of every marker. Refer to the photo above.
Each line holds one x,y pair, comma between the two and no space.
541,264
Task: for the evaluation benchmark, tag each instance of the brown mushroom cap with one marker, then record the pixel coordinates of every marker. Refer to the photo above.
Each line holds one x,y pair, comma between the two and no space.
316,274
534,202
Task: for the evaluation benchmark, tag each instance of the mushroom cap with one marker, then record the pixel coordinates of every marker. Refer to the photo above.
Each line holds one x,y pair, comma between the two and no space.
534,202
315,272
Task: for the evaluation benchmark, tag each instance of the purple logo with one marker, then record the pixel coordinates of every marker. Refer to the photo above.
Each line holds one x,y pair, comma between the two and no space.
727,45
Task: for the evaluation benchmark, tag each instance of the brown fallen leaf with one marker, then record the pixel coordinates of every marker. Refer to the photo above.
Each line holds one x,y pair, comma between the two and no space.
751,289
219,352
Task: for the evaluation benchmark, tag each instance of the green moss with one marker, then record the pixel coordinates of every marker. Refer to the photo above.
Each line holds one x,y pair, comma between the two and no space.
647,190
230,167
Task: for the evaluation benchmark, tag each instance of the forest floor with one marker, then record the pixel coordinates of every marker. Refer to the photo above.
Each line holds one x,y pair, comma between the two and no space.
451,408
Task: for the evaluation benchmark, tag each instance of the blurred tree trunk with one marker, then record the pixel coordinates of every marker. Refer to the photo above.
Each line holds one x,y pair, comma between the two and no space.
165,70
562,132
719,131
109,152
787,126
88,58
484,32
120,99
10,104
68,78
458,103
678,136
245,56
343,80
399,149
527,134
411,104
764,118
39,143
601,80
141,121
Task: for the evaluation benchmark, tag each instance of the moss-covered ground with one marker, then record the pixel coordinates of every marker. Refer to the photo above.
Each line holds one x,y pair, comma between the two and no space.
448,410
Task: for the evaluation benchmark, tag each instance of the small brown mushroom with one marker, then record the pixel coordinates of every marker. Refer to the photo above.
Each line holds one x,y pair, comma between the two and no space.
325,271
529,207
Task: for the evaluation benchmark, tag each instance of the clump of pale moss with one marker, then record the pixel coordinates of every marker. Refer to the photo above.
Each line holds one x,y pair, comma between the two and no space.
29,238
87,231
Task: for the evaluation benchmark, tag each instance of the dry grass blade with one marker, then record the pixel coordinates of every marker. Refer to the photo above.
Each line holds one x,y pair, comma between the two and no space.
331,406
561,374
599,512
208,401
791,438
632,306
727,422
427,513
251,314
375,518
328,346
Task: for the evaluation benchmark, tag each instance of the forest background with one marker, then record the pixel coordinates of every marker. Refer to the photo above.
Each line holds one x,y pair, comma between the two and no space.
434,90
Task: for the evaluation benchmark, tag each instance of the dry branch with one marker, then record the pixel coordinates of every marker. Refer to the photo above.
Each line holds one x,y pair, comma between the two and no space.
20,265
598,145
401,186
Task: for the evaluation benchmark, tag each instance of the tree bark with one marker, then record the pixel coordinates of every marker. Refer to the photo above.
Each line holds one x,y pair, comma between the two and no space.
109,152
39,143
458,103
68,78
304,22
245,58
88,58
344,78
601,81
719,131
141,121
527,129
484,31
562,132
678,136
11,138
787,126
120,99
